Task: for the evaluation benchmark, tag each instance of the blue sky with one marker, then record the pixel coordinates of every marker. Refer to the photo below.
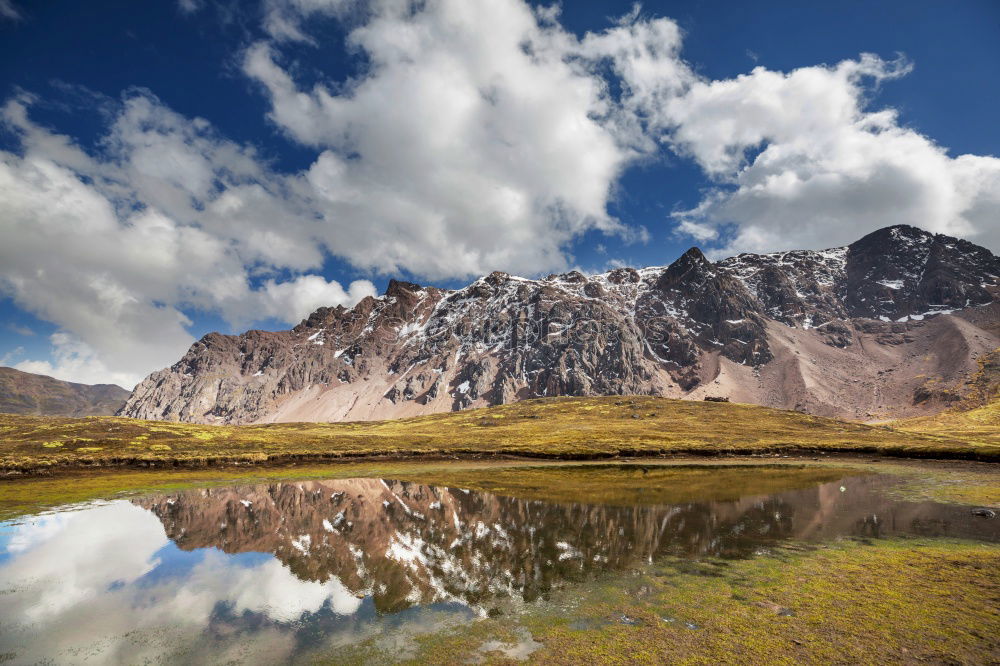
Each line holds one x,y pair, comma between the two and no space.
172,168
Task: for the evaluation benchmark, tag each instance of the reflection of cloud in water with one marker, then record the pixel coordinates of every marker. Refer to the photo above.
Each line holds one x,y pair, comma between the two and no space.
272,573
269,588
77,578
24,536
407,544
65,559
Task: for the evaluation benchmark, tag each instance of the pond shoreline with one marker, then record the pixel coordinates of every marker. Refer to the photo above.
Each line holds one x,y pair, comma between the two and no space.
956,481
284,460
472,455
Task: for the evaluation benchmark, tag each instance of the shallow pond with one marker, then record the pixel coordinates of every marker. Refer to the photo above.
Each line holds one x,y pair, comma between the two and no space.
294,571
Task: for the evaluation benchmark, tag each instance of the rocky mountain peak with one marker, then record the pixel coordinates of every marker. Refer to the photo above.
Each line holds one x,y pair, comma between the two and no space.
902,272
849,331
398,288
692,267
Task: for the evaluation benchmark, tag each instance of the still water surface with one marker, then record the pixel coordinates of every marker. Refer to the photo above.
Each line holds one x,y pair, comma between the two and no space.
287,572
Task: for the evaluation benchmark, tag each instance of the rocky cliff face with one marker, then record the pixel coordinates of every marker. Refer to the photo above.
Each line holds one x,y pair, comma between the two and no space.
27,393
889,326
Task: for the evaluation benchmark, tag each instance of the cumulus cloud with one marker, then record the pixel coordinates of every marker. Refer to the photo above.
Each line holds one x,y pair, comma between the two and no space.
75,359
802,162
294,299
454,130
113,247
478,137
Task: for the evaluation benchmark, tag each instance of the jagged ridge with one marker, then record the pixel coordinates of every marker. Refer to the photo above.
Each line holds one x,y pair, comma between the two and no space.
853,331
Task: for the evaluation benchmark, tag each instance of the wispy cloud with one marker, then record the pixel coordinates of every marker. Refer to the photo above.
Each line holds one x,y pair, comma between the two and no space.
10,357
20,330
189,6
9,11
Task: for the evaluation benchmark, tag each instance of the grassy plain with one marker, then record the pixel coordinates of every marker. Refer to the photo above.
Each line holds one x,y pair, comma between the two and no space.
555,428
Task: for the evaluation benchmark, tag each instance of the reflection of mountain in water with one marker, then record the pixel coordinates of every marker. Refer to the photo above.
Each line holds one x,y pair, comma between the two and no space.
404,543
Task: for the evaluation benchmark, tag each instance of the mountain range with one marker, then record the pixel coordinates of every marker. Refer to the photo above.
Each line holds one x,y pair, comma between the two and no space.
896,324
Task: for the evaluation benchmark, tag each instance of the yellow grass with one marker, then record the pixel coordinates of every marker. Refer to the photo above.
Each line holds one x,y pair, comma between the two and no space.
565,428
980,426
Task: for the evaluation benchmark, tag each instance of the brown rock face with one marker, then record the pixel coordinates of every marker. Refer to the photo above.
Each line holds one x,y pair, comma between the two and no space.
854,332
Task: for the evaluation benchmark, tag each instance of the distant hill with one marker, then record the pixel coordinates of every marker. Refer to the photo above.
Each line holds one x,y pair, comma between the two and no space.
27,393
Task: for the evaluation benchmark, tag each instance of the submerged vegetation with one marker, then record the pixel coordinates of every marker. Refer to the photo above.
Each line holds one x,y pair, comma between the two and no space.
642,482
846,602
558,428
628,484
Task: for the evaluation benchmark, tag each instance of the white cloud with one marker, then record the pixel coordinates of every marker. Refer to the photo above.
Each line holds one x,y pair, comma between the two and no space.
827,169
295,299
74,359
9,357
283,18
644,56
701,232
189,6
114,248
478,137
